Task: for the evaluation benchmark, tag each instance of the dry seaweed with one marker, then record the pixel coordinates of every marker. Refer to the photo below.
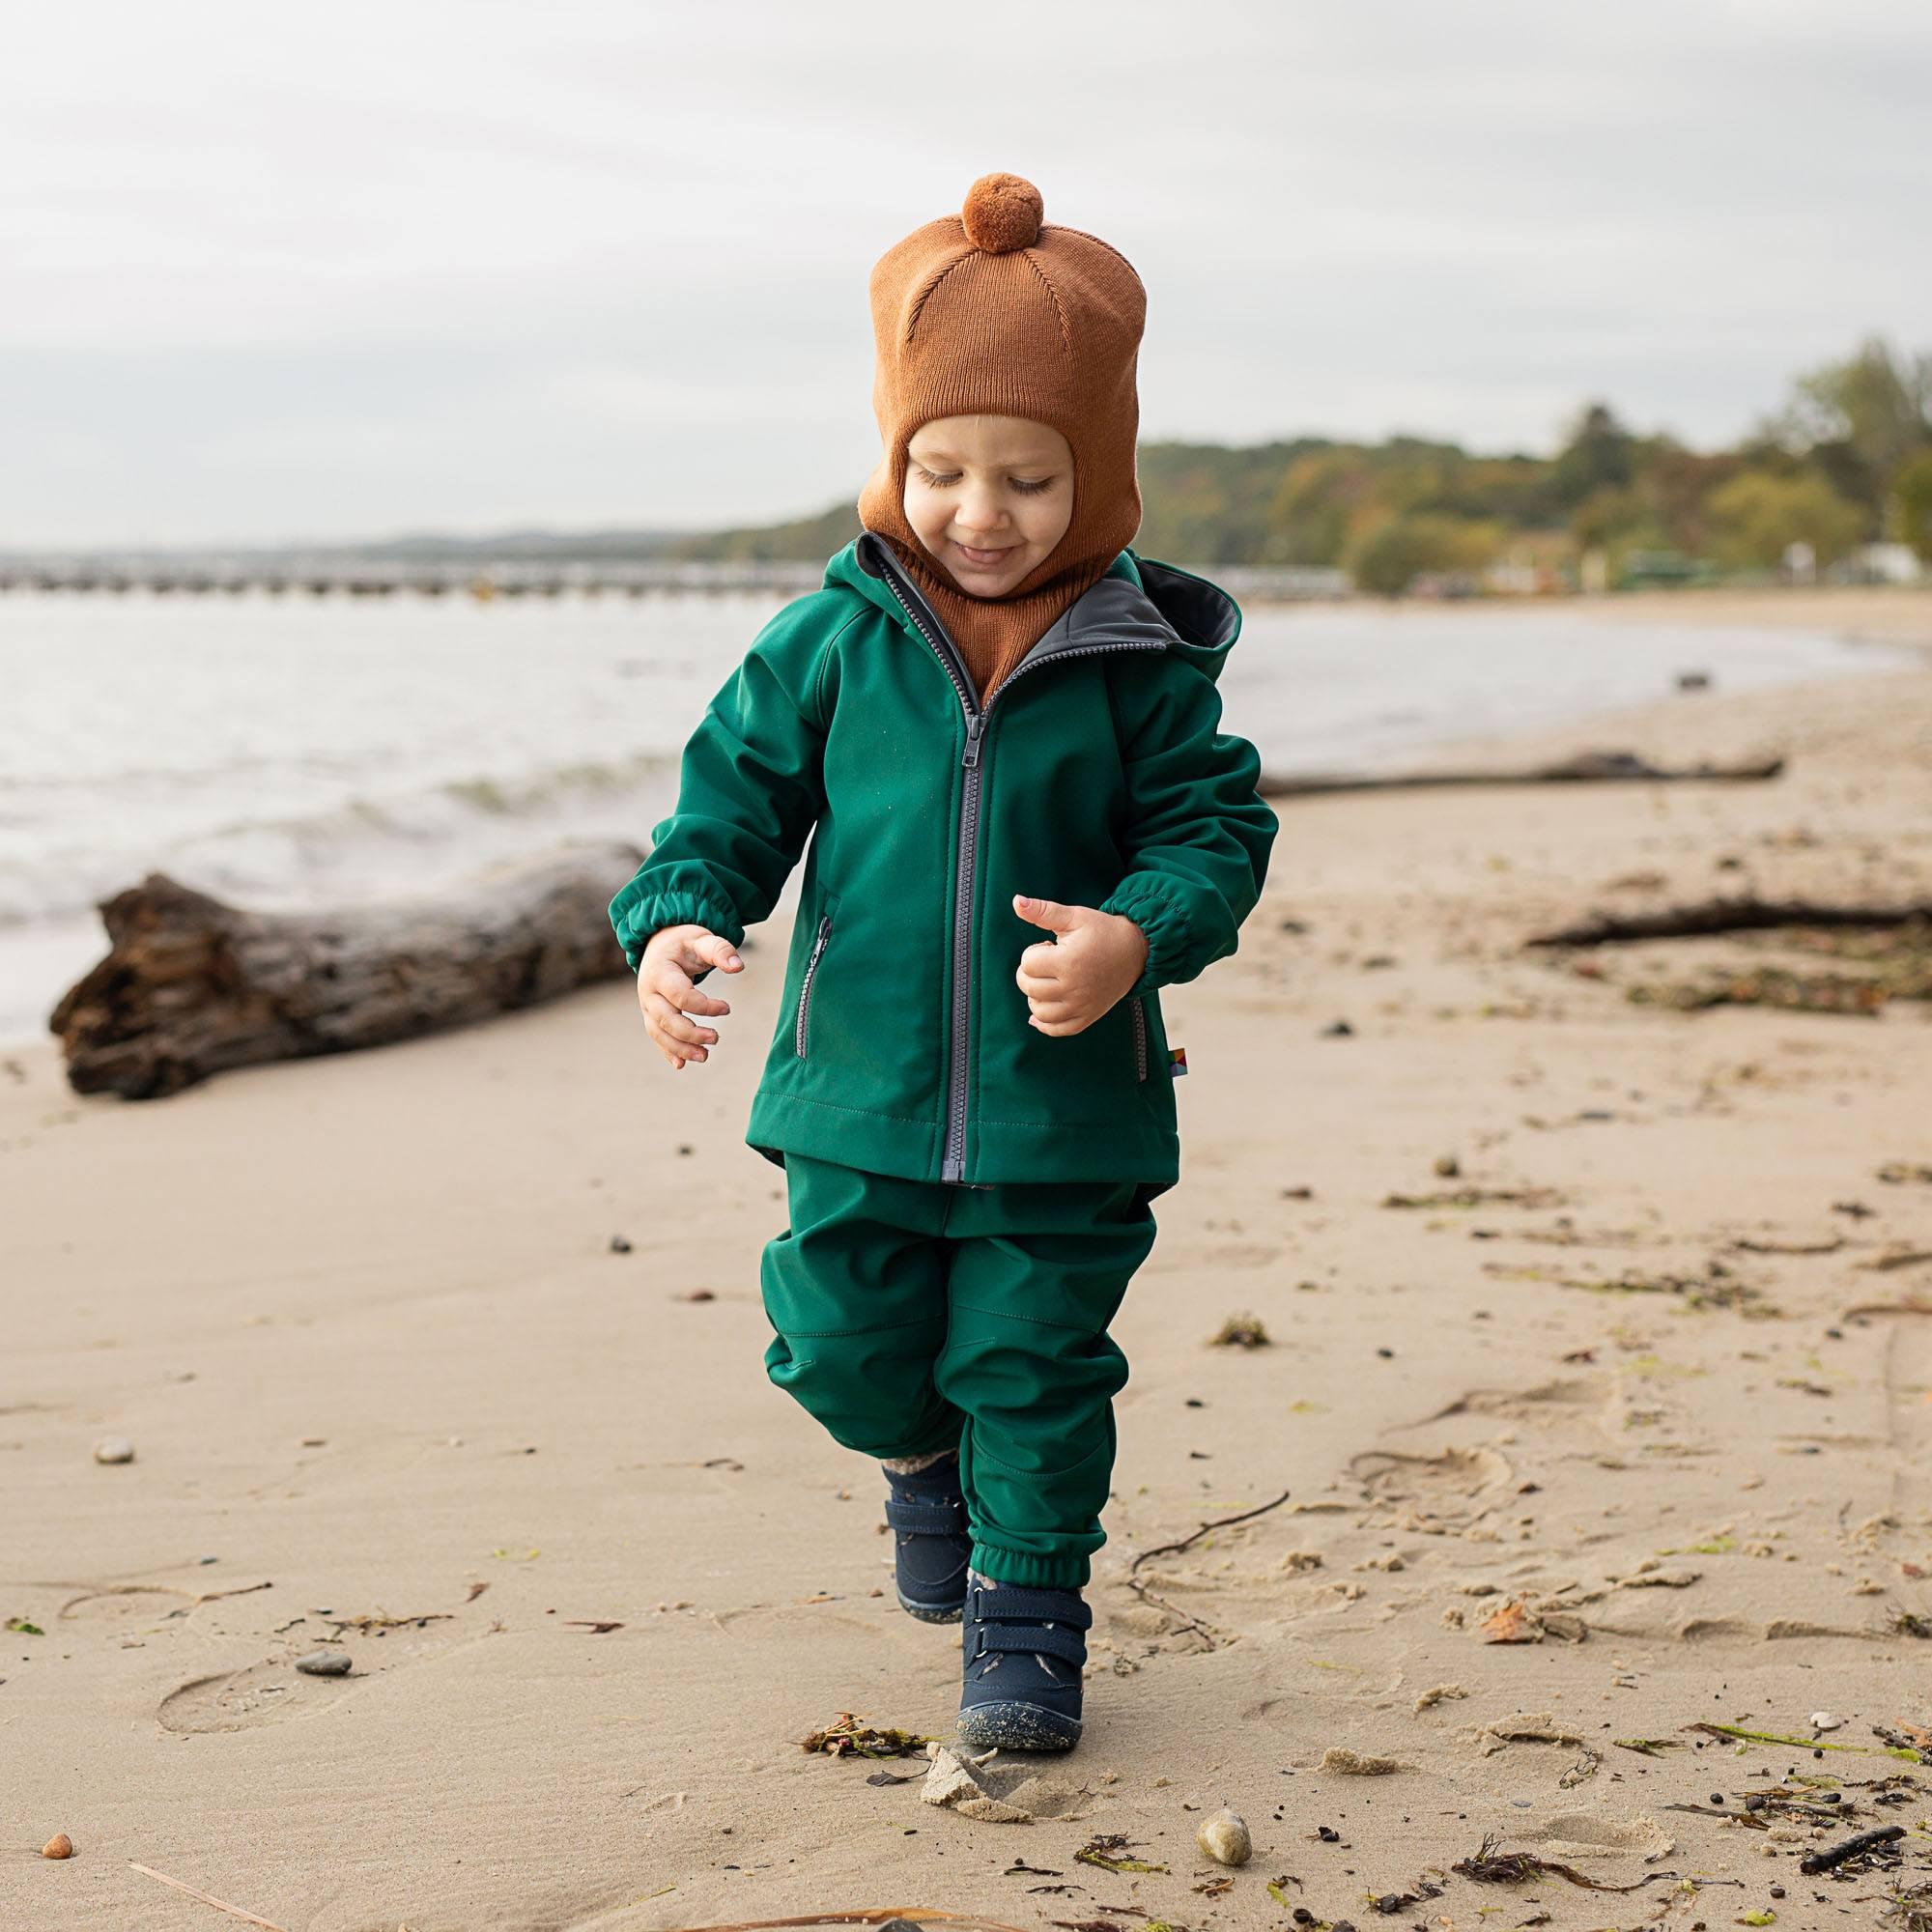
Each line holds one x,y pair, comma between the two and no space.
1109,1851
1647,1746
1240,1331
847,1737
1479,1196
1736,1734
1494,1866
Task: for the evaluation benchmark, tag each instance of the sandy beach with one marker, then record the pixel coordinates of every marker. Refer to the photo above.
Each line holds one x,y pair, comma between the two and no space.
448,1356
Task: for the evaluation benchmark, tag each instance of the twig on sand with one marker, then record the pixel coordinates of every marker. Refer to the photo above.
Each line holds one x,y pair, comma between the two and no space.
208,1898
1220,1522
882,1915
1146,1596
1734,915
1837,1854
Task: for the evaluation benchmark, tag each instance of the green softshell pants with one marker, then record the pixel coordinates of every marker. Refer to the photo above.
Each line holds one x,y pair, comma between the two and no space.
912,1316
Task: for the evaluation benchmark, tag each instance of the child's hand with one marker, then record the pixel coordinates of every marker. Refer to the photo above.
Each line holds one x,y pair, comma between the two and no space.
1070,980
665,992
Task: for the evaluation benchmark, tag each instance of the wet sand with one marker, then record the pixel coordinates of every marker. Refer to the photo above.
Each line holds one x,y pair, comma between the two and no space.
1648,1394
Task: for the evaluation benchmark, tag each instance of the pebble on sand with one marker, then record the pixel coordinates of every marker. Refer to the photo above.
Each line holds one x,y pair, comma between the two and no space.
59,1846
113,1449
324,1664
1225,1838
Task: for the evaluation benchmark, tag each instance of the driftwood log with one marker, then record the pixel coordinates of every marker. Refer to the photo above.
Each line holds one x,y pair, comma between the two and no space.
192,987
1733,915
1586,768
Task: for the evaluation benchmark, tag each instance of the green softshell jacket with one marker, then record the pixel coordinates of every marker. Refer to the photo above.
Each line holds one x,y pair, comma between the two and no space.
1096,775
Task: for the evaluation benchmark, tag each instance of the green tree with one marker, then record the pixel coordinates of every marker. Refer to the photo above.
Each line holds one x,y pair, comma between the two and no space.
1861,418
1599,454
1389,559
1753,517
1912,493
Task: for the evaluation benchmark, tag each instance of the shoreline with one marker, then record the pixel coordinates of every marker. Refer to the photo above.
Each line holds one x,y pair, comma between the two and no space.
1637,1367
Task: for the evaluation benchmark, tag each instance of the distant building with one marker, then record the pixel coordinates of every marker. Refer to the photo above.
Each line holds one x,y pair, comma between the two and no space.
1882,564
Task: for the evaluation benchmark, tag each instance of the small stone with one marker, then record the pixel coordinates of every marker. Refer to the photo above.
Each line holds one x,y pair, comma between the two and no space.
620,1245
1225,1838
1448,1167
59,1846
113,1449
1823,1721
324,1664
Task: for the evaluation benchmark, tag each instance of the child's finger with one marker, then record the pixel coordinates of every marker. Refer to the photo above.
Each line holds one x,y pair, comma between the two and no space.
1056,1028
693,1001
669,1021
715,950
1043,960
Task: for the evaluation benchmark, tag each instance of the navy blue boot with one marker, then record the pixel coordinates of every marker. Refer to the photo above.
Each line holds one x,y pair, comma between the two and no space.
1024,1652
927,1513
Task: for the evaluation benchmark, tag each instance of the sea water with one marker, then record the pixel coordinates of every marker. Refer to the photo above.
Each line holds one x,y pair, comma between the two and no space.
289,752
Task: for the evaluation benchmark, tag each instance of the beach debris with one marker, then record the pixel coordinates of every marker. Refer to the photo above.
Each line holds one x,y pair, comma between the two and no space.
1479,1196
1904,1174
1745,913
1240,1331
1833,1856
24,1628
1447,1166
1824,1720
1438,1693
1343,1762
208,1898
113,1449
1225,1837
1111,1852
596,1626
1141,1588
1389,1903
620,1245
1598,767
849,1736
1338,1030
1492,1866
59,1846
1737,1734
1647,1746
1511,1622
324,1664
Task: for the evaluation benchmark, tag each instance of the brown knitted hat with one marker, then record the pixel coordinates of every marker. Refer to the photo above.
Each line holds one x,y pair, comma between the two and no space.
995,312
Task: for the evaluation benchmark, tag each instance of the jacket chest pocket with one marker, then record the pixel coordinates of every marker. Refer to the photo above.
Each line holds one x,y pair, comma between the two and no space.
803,1019
1139,1012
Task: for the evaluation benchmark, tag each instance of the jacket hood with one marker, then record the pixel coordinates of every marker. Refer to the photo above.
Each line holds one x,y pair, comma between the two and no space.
1137,600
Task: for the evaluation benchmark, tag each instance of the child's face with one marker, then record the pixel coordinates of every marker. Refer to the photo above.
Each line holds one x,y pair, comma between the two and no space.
989,497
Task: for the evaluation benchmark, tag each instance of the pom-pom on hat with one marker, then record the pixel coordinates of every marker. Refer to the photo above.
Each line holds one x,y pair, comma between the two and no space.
996,311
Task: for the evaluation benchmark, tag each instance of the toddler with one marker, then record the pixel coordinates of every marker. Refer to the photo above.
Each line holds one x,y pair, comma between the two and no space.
994,737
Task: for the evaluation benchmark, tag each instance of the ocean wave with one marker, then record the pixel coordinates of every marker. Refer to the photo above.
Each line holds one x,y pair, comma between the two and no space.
364,843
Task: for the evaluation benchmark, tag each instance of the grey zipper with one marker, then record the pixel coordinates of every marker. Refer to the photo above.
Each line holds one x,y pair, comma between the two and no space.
1140,1042
959,1062
805,984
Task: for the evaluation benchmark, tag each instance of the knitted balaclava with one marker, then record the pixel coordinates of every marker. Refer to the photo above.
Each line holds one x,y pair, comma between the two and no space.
994,312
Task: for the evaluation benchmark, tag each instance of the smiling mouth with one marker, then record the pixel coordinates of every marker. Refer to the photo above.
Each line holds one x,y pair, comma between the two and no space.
984,558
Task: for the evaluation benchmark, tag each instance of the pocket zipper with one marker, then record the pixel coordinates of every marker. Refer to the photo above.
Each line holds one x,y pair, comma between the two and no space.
804,985
1140,1042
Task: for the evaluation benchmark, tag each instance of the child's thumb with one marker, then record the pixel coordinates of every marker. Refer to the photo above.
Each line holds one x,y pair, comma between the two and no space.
718,950
1047,913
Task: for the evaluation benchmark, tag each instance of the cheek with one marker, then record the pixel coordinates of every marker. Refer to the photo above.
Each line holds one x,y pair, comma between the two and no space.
924,512
1046,520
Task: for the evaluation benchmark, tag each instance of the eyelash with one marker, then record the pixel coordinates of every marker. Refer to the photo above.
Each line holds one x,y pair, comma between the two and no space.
1019,488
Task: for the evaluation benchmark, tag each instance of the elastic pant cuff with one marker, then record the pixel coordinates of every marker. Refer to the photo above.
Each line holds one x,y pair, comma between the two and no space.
1021,1567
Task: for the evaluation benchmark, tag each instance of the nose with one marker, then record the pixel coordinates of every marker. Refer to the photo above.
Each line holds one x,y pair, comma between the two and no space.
979,513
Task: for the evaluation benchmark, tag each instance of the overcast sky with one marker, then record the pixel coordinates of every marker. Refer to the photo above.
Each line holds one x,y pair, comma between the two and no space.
280,270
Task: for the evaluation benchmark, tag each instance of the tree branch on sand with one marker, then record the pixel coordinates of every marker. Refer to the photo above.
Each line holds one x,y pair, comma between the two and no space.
192,986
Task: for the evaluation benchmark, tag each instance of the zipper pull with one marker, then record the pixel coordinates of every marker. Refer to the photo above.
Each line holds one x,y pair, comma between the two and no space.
976,726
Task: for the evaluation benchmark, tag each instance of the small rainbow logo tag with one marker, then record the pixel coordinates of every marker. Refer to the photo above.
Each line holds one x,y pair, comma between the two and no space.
1176,1061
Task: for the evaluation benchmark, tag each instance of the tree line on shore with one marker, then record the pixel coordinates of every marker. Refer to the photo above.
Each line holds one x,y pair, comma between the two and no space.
1844,462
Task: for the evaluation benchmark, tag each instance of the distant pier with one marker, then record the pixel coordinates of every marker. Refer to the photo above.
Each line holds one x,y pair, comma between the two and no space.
179,575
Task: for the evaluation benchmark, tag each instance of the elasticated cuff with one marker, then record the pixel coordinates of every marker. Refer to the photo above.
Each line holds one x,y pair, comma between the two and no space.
1165,924
1027,1570
634,920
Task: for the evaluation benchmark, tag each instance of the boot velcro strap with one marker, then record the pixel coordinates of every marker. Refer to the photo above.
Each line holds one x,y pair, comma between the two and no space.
927,1519
1046,1607
1030,1640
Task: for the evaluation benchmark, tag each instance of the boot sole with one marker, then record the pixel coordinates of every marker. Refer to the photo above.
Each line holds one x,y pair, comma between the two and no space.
932,1613
1017,1726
